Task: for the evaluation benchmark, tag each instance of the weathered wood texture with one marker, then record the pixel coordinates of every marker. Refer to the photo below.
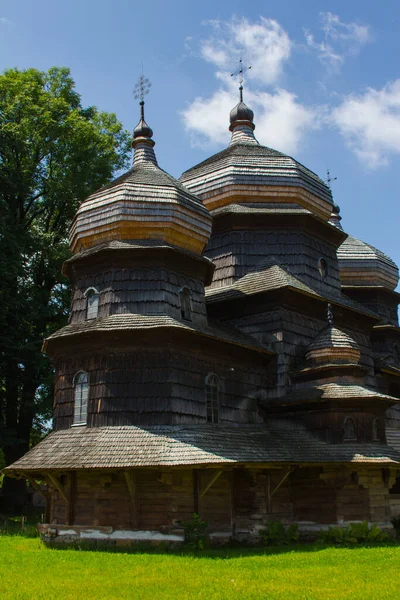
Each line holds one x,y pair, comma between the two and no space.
137,291
239,501
288,333
157,386
237,253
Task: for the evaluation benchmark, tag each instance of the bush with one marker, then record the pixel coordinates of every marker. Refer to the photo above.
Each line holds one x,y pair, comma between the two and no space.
396,525
354,533
277,534
195,530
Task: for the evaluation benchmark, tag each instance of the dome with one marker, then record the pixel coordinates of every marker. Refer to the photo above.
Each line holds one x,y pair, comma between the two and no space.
332,345
361,264
248,172
241,112
146,203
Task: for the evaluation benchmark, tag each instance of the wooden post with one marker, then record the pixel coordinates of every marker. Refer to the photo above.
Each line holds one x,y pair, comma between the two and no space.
195,491
71,497
131,483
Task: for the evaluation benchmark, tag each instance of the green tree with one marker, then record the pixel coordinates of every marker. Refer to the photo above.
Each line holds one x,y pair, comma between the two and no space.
53,154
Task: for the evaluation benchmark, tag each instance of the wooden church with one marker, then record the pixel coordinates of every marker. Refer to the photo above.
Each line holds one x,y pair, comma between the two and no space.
231,352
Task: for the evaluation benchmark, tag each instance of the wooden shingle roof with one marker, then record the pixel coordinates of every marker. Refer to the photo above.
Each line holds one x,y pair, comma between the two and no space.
255,165
269,276
177,446
133,322
362,264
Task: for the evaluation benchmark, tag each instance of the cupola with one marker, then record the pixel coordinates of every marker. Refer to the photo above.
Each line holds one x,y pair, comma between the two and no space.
247,172
332,346
146,203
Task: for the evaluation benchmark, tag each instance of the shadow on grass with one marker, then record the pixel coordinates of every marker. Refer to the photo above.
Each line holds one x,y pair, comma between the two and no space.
224,553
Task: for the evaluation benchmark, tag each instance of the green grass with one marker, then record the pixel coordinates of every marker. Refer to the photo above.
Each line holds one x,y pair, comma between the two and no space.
29,570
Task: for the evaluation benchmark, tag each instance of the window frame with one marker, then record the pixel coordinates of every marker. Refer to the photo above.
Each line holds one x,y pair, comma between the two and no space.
345,433
81,399
323,269
90,293
185,301
212,397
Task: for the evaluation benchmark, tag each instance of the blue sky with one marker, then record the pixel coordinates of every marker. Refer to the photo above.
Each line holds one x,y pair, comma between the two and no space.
324,83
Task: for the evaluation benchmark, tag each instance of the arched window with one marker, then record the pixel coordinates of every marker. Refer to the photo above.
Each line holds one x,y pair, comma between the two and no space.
186,308
349,429
323,268
375,430
212,398
92,303
81,387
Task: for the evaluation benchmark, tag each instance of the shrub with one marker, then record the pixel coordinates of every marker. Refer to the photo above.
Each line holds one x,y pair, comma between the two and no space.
354,533
277,534
396,525
195,530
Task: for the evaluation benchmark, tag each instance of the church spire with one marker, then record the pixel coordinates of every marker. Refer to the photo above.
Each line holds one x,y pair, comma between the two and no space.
142,134
241,116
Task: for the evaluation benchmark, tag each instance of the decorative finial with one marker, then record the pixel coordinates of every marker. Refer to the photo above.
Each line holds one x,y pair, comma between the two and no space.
239,73
329,179
142,134
329,315
141,90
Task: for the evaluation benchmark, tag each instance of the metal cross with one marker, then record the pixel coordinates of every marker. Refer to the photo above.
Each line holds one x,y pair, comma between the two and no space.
329,179
239,73
141,88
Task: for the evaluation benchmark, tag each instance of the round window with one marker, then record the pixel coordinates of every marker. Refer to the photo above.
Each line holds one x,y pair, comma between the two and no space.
323,268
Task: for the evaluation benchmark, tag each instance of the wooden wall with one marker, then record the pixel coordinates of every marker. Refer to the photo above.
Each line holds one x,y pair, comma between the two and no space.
156,386
236,253
145,291
239,502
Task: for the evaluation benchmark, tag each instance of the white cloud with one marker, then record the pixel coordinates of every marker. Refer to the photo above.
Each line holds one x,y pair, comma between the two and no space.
5,21
371,124
264,45
340,39
281,120
352,33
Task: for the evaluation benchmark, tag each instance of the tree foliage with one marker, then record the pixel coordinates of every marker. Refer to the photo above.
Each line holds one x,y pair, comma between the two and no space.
53,154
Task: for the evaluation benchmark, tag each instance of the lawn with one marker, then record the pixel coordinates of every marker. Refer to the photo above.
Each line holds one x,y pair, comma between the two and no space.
29,570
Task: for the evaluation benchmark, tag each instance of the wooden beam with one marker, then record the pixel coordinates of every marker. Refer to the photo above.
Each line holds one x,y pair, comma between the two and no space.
269,494
36,485
131,483
57,484
286,475
211,483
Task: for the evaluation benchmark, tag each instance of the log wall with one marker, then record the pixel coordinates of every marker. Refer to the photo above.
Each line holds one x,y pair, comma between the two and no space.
239,501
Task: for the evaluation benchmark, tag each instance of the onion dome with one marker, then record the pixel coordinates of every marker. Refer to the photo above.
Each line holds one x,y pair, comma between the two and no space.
335,217
248,172
146,203
332,345
361,264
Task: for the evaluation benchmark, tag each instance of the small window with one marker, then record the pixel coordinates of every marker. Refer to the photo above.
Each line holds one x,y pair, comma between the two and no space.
375,430
92,303
186,308
212,398
81,387
323,268
349,429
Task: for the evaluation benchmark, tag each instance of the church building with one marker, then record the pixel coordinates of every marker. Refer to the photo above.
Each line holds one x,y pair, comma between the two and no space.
231,351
